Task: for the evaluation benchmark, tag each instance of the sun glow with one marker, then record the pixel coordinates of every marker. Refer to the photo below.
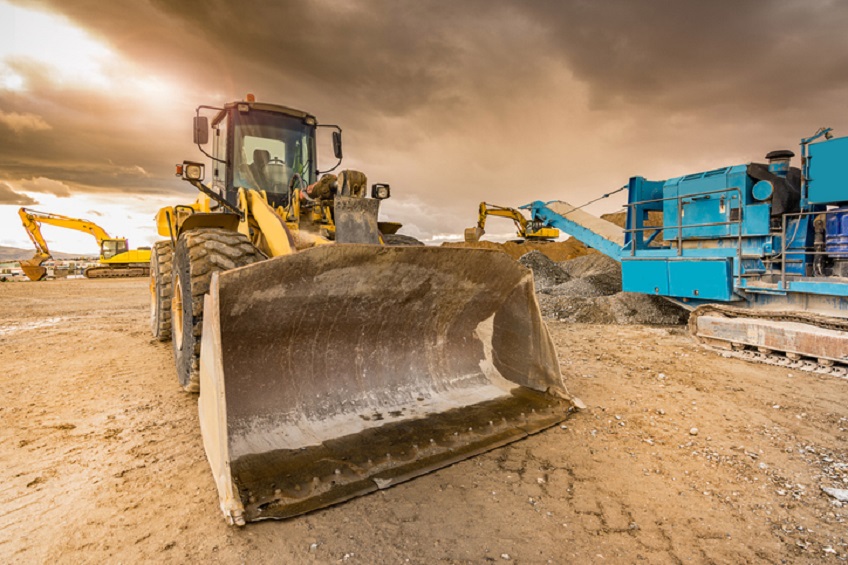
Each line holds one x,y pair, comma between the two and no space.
29,37
120,216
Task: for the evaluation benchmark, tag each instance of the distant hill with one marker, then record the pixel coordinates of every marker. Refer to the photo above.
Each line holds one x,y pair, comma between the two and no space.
16,254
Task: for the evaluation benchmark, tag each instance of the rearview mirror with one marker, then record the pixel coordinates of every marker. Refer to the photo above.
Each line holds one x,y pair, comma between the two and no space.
337,144
201,130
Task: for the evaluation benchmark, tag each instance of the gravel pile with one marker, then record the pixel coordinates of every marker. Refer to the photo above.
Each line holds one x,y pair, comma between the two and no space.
546,273
619,308
587,290
593,264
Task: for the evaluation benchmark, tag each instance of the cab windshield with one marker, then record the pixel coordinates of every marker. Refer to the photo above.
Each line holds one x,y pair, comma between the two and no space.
112,247
270,149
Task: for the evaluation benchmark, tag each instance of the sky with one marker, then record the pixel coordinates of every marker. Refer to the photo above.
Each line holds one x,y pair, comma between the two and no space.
449,102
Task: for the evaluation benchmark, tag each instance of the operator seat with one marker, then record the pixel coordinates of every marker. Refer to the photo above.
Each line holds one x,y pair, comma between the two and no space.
257,168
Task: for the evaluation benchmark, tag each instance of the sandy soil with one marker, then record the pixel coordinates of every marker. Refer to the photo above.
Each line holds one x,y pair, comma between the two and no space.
102,459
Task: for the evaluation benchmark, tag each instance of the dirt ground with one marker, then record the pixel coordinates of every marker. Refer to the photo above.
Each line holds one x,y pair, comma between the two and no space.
681,456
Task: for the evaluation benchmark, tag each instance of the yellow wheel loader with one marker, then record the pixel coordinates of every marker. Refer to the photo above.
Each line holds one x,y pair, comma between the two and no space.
116,258
329,363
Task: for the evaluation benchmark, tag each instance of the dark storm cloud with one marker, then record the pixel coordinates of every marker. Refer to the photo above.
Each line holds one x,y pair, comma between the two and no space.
393,57
510,101
81,139
9,196
691,55
350,62
379,55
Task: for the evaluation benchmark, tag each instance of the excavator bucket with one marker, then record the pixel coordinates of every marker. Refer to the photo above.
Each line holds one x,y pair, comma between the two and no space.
343,369
32,268
473,235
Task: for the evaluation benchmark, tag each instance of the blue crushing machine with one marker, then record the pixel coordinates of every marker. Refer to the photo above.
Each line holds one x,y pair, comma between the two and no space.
757,252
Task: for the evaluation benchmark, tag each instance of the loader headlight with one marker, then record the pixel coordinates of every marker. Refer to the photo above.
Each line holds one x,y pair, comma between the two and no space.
193,171
380,191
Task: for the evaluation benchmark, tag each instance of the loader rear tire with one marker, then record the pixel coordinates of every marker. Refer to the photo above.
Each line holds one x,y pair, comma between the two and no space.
161,257
398,239
200,252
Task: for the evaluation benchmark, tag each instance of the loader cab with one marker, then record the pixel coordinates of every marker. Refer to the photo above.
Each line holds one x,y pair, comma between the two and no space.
264,147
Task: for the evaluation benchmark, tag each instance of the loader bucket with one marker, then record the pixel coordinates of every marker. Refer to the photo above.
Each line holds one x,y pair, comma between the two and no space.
341,369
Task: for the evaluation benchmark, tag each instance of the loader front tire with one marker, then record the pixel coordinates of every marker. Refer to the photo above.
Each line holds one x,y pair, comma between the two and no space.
200,252
161,257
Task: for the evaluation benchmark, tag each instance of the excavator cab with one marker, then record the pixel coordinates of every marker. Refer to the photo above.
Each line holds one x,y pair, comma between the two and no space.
111,247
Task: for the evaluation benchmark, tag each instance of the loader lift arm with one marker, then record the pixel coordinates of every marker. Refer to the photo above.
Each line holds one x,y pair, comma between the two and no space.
525,229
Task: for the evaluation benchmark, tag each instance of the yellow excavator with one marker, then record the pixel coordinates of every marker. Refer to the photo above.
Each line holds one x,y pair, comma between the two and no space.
526,229
331,362
116,259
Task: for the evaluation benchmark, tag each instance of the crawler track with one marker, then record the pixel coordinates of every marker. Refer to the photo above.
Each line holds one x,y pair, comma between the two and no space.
102,272
808,365
798,360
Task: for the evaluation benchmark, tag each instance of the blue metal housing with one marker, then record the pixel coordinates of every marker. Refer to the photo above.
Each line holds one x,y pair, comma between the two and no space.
826,183
744,234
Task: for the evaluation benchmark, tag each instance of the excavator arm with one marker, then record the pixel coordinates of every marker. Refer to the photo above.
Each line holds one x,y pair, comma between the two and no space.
33,230
32,267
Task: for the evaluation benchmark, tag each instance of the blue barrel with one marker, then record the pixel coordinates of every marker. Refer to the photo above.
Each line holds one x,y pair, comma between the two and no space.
837,233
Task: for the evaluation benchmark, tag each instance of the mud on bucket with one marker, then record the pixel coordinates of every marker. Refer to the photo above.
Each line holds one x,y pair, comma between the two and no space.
342,369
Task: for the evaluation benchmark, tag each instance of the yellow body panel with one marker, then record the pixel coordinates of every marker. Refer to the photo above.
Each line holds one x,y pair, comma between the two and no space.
132,256
543,233
170,217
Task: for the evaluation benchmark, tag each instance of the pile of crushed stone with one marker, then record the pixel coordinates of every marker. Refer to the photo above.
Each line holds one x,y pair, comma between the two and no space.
546,273
587,290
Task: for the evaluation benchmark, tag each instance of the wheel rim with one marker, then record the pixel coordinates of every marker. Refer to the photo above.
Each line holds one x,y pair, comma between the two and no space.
177,314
